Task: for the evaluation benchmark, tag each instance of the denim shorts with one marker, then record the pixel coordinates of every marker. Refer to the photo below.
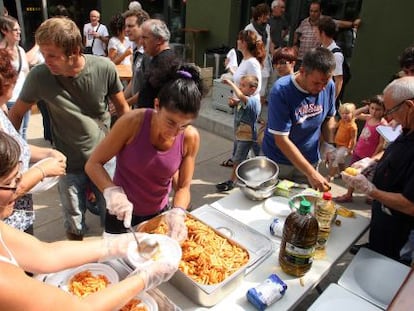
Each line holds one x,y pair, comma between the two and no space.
241,150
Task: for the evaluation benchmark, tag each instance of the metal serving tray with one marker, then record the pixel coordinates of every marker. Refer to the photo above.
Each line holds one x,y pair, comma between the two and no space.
258,246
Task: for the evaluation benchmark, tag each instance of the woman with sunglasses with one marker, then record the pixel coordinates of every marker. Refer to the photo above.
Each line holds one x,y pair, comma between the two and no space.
153,148
21,252
23,216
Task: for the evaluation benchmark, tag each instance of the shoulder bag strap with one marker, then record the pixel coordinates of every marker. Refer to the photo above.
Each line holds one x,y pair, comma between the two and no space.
93,41
20,61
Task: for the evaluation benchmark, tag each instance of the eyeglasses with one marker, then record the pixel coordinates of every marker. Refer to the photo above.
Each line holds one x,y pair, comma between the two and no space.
15,182
396,107
174,125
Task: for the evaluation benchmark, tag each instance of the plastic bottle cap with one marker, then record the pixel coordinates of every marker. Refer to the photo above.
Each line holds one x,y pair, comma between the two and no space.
305,207
327,196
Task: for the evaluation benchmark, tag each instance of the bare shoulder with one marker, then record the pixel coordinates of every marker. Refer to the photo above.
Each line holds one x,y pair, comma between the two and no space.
191,140
191,133
128,124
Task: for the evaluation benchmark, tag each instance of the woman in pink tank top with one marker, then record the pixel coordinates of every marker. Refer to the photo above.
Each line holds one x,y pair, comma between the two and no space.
153,147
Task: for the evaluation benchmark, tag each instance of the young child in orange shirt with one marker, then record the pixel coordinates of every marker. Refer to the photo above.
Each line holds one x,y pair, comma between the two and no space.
345,140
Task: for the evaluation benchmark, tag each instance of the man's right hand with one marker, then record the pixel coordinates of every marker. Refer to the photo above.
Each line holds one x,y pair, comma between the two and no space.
318,182
118,204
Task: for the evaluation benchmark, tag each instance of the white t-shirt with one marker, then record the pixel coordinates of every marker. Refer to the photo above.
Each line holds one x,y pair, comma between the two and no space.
99,47
115,43
250,66
232,60
24,70
339,59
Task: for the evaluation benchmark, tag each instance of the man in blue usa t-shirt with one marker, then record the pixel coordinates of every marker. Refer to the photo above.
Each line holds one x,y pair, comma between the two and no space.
301,109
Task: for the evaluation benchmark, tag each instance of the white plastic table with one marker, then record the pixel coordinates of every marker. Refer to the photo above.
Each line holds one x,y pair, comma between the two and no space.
253,214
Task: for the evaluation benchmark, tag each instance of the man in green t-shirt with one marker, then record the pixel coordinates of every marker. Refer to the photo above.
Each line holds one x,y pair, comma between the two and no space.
76,89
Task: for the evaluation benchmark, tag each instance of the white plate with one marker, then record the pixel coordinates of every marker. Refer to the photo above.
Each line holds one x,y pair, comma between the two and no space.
147,301
95,269
374,277
56,279
169,251
277,206
46,183
337,298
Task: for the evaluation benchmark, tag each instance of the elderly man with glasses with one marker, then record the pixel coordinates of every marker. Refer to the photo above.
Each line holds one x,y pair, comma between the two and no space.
392,187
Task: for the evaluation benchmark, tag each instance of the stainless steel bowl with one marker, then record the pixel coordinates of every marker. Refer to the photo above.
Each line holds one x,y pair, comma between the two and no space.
257,194
258,173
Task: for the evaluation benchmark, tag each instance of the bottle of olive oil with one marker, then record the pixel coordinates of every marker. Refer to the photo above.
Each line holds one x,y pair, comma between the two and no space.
324,212
300,235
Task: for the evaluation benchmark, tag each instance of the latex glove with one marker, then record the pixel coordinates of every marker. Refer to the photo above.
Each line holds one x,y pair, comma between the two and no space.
328,152
175,219
359,182
116,245
363,163
155,273
51,167
118,204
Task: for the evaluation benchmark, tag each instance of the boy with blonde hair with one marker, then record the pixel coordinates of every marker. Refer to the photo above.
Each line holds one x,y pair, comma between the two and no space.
247,112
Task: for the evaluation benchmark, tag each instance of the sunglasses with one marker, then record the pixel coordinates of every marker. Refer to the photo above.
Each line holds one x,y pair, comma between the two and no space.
281,62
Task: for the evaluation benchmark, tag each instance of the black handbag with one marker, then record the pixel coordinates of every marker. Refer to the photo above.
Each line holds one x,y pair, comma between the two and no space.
87,50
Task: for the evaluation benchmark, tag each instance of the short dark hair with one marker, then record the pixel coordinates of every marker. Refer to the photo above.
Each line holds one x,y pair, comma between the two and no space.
117,24
327,25
287,53
377,99
141,15
183,92
320,59
9,154
407,57
260,10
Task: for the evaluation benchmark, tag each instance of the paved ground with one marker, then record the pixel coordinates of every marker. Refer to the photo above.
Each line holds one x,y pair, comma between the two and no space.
214,126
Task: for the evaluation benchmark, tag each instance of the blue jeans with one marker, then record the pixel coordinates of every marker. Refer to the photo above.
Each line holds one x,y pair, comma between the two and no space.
72,191
25,121
241,151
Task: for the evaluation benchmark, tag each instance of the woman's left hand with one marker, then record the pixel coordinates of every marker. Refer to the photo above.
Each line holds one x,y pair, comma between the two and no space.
52,167
177,229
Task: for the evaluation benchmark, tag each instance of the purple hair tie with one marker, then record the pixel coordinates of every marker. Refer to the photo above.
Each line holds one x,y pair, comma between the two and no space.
185,74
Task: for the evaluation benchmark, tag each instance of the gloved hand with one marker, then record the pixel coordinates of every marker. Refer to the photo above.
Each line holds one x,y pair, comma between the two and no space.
175,219
118,204
359,182
363,163
328,152
116,245
157,272
51,167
